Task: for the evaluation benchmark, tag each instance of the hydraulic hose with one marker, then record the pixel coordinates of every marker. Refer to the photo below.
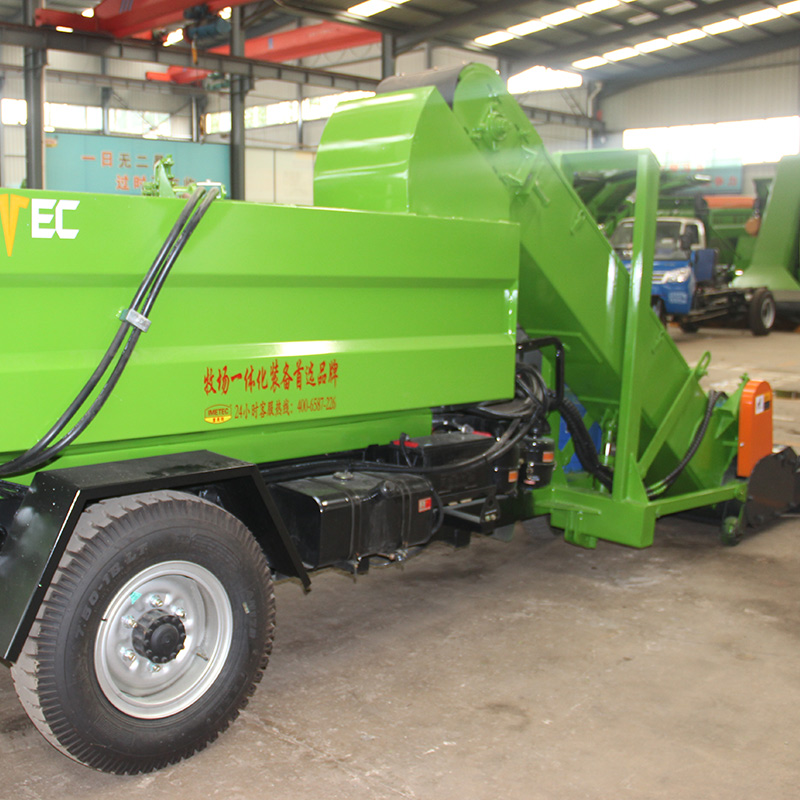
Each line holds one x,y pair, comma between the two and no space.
516,431
582,441
44,451
13,467
661,486
587,453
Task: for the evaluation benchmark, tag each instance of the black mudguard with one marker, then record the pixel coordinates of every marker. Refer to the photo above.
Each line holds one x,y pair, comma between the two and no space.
46,519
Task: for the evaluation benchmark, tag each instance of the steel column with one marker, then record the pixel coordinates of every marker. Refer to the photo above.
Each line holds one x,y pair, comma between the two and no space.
238,92
34,96
387,56
2,136
105,104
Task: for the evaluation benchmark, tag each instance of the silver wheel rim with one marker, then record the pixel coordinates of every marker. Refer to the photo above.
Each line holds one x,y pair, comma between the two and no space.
134,684
768,313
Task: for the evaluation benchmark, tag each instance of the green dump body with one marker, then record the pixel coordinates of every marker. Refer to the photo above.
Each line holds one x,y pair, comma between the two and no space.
282,332
775,261
286,332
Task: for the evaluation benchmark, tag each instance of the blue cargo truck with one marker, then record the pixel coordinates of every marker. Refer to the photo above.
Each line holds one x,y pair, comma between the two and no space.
690,287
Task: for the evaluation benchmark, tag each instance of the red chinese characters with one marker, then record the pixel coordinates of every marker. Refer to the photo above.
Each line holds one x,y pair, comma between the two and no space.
294,376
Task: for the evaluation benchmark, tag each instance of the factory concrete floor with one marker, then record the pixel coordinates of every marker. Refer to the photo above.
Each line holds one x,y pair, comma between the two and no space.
521,670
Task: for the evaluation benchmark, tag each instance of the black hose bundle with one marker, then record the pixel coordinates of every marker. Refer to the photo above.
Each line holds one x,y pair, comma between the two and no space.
590,461
126,337
661,486
583,444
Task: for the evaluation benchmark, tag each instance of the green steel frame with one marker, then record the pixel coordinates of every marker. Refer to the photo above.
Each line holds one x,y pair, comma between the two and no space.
621,364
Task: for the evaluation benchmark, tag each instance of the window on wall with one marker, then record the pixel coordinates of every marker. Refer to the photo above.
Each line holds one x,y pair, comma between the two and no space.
66,116
145,123
13,112
322,107
753,141
284,113
279,113
543,79
69,117
220,121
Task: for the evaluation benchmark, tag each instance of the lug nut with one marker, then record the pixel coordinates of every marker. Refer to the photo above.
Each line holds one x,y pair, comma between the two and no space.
128,655
129,622
179,613
156,600
153,667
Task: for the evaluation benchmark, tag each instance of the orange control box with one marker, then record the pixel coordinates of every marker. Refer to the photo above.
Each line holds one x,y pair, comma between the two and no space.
755,426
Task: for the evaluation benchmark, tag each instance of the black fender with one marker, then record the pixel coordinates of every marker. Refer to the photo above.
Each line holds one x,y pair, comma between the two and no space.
49,512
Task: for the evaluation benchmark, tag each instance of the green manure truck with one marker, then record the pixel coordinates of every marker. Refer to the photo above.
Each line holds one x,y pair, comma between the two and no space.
204,396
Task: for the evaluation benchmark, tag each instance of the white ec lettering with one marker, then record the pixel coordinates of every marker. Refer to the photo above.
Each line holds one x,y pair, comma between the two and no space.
39,218
65,205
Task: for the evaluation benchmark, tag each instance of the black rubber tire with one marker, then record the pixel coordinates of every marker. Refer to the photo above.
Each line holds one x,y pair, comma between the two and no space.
761,312
116,541
659,309
689,327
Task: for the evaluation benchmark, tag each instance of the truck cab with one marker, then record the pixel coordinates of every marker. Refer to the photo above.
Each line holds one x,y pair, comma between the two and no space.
681,262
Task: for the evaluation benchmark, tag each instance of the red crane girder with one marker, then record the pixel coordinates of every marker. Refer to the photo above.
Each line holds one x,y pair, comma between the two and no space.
121,18
312,40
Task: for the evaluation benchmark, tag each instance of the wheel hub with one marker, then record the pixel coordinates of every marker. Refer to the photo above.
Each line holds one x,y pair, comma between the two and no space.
159,636
181,613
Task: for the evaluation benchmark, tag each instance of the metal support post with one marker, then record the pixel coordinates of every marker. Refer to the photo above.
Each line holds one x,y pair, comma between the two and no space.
300,117
105,104
504,67
428,55
34,61
2,136
387,56
238,92
627,481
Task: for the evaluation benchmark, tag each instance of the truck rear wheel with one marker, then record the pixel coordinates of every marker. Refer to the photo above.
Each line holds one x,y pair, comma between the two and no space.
761,313
152,636
659,309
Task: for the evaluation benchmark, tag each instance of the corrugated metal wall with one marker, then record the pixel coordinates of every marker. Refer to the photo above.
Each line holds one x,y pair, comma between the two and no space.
768,86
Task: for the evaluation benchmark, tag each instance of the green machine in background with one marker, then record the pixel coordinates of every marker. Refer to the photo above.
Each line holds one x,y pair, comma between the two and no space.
775,260
444,345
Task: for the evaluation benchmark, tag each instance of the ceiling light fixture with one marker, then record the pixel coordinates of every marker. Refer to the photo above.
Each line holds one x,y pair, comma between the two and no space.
497,37
621,54
653,45
560,17
692,35
757,17
369,8
531,26
173,37
724,26
589,63
596,6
